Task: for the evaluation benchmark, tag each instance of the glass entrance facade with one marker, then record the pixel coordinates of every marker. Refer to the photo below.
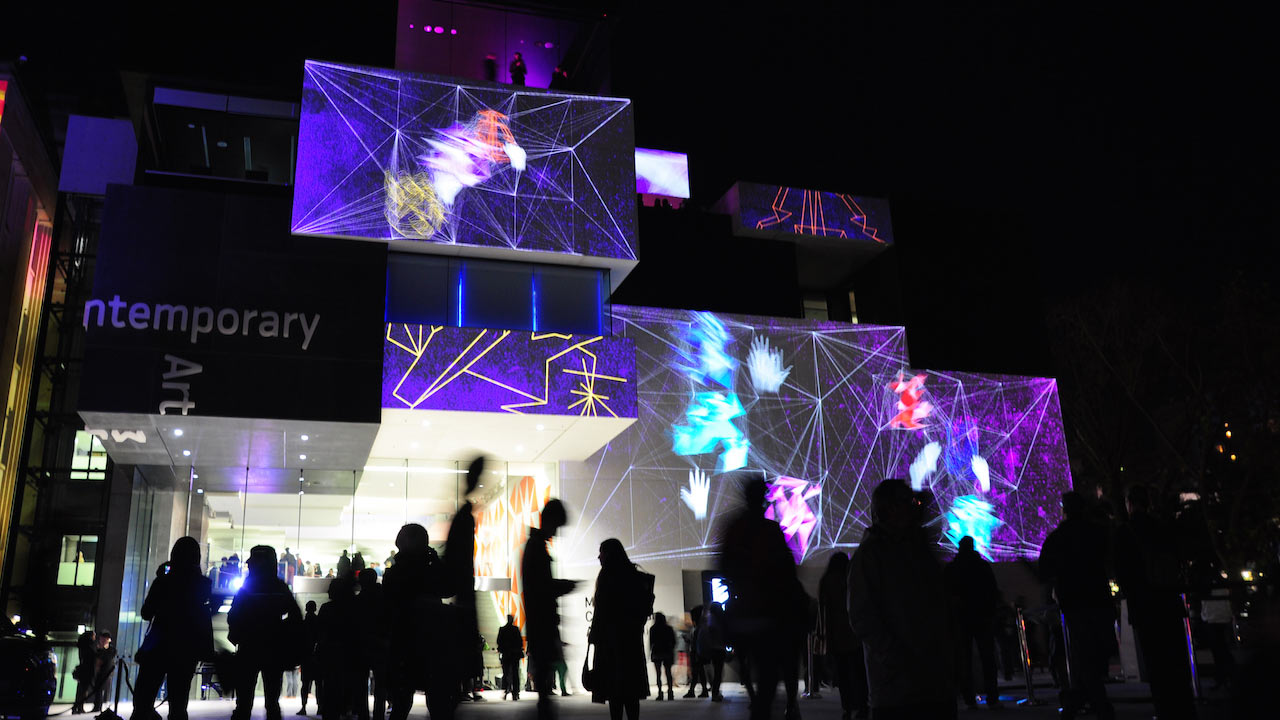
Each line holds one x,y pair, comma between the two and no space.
321,521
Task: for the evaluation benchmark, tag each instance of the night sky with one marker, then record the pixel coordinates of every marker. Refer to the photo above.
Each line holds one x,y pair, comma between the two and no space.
1029,154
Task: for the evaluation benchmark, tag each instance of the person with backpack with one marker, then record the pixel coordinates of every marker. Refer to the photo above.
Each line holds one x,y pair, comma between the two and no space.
622,604
265,625
181,633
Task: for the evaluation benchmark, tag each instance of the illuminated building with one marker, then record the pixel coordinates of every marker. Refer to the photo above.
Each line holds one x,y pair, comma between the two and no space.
302,346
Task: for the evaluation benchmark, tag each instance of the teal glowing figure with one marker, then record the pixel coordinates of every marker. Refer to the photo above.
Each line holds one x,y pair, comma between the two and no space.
709,362
709,423
972,516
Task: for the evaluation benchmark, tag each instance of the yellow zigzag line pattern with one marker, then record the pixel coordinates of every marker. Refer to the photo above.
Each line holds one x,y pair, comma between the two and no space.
590,402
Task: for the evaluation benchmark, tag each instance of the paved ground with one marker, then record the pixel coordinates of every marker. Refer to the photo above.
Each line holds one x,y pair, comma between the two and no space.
1131,700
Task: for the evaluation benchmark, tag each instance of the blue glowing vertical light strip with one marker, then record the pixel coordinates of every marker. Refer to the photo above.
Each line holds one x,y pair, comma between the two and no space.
462,271
533,283
599,304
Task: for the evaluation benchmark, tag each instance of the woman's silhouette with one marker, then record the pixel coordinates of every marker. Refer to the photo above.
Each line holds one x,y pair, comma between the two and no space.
181,632
621,606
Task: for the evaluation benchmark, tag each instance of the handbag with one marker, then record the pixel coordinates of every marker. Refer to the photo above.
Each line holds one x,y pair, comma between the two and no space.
588,674
150,646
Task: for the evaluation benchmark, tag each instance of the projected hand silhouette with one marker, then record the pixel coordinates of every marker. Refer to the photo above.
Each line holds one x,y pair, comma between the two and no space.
695,496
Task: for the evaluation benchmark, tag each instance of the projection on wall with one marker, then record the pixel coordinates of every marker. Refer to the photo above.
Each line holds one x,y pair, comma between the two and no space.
385,155
433,367
825,411
779,210
661,172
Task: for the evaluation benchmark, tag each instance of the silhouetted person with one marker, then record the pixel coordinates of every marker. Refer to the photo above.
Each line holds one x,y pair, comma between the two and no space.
974,595
104,670
697,672
290,563
310,663
338,651
86,646
510,652
843,647
620,608
357,563
662,651
897,606
711,648
559,79
344,565
256,625
460,569
1149,572
1074,560
373,642
413,587
180,612
491,67
541,592
761,574
517,69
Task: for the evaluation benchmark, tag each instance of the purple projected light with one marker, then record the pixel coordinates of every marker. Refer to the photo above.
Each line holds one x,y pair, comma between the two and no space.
659,172
517,371
788,500
992,453
387,155
819,400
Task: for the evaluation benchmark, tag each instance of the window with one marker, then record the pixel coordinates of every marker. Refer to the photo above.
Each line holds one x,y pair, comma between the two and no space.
76,559
815,308
89,459
437,290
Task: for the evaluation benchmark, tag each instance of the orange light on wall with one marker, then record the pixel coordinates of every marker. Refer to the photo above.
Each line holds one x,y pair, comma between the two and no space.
520,509
4,87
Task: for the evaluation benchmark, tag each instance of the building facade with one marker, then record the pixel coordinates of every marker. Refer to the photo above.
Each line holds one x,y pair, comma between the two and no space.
303,345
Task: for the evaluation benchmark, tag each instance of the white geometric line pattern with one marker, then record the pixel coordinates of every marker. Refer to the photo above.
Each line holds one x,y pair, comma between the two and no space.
481,165
828,423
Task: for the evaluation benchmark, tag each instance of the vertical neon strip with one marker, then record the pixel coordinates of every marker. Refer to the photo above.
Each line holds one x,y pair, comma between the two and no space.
533,282
462,271
599,304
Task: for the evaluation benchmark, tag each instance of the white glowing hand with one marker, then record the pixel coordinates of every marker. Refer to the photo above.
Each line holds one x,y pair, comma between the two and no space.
765,363
695,496
925,464
981,471
516,155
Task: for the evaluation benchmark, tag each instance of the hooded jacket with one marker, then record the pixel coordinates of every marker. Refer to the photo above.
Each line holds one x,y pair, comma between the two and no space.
898,606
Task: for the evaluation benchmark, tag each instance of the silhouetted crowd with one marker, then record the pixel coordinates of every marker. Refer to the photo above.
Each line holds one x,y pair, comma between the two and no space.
895,625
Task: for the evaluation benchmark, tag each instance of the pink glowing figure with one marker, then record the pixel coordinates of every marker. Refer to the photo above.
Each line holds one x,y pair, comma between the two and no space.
788,500
911,409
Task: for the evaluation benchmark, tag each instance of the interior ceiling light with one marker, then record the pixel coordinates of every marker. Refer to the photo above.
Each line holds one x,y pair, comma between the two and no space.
186,453
426,423
302,457
306,438
199,491
177,432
